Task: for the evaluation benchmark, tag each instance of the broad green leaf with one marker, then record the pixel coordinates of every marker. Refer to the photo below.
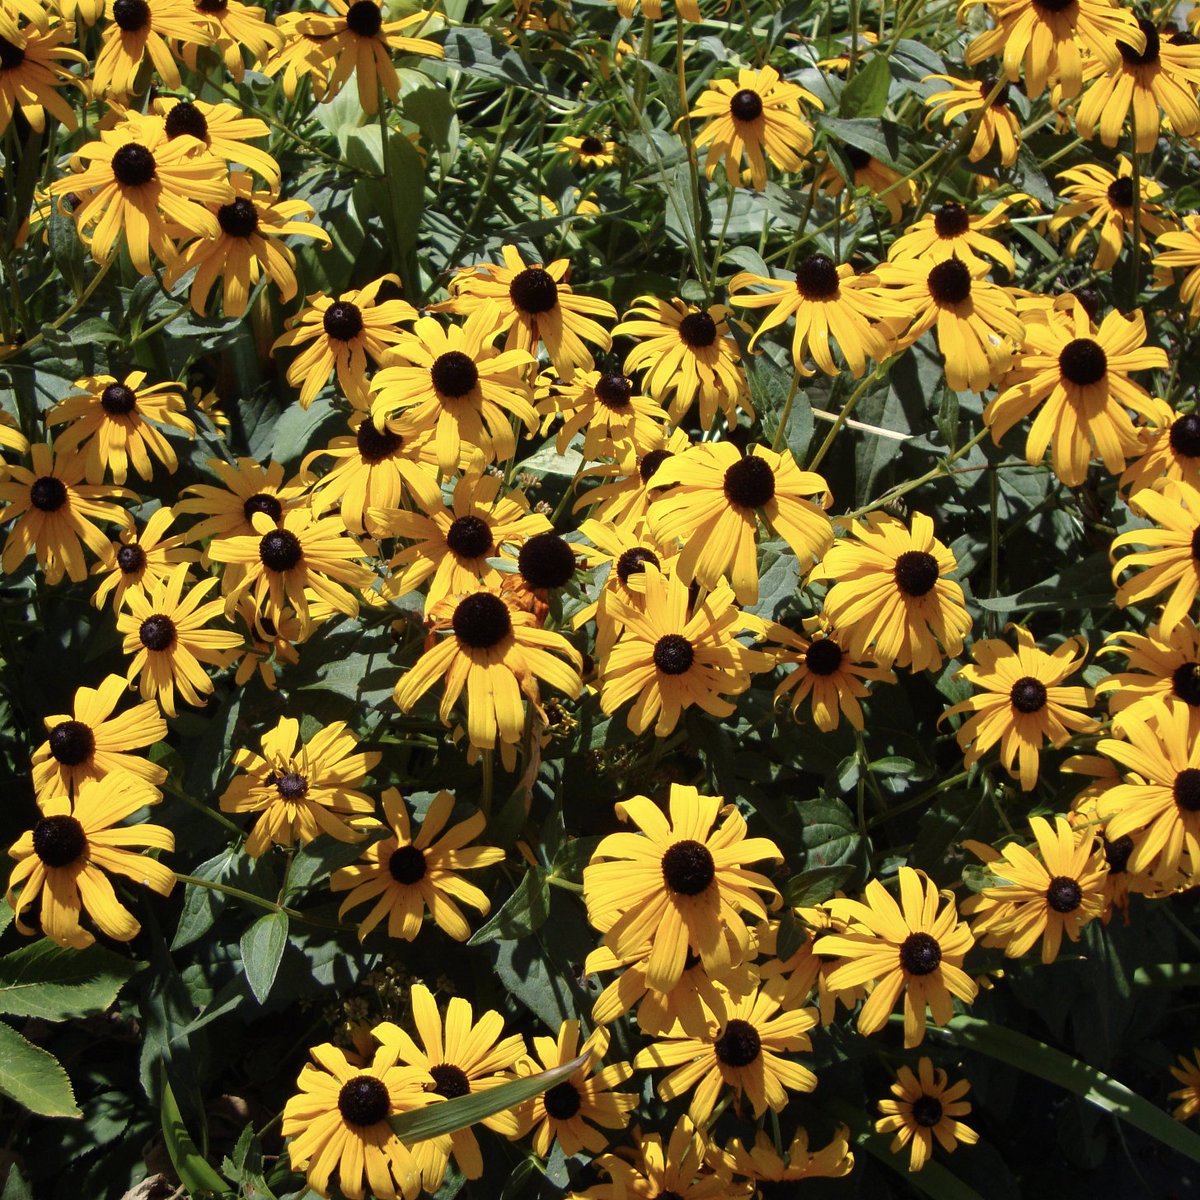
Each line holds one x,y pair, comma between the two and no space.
866,94
523,913
262,948
869,136
828,833
15,1187
1027,1054
52,982
474,53
815,885
462,1111
33,1077
195,1172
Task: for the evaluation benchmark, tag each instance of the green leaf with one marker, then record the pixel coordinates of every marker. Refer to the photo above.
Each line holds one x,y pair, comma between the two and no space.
15,1187
53,982
463,1111
868,136
474,53
815,886
523,913
1027,1054
195,1172
867,93
262,949
33,1077
828,833
1184,974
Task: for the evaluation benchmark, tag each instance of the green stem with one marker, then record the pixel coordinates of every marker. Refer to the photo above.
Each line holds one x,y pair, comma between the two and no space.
254,901
916,801
61,321
848,408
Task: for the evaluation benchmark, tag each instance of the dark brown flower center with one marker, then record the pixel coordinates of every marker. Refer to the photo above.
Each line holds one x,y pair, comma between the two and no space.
688,867
533,291
591,145
750,482
916,573
1117,852
280,550
450,1081
131,559
1185,683
1196,543
186,118
48,494
739,1045
1083,362
212,6
364,18
1064,894
614,391
650,463
343,321
698,330
454,374
481,621
239,219
1185,435
920,954
406,865
469,537
633,562
131,15
950,281
546,561
1187,789
376,445
1090,298
1120,192
562,1101
59,841
72,743
11,57
673,654
951,220
1028,695
823,657
927,1111
263,502
746,105
1147,56
817,277
133,165
118,400
364,1100
291,786
157,632
860,160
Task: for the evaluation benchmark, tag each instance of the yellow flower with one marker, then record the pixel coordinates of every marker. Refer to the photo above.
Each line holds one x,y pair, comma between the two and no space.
31,72
927,1105
1161,668
144,29
998,124
1187,1073
763,1164
138,559
588,150
605,408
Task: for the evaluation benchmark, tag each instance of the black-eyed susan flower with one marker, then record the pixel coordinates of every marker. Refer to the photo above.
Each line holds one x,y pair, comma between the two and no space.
62,860
1022,702
1160,668
282,562
91,743
299,57
1157,801
241,30
824,674
338,1124
247,246
537,307
828,301
459,1058
112,425
141,30
998,124
747,1054
167,633
11,438
1027,896
679,883
926,1105
401,876
672,654
32,70
754,113
1161,76
952,231
451,380
55,511
1181,249
496,654
892,598
358,39
714,501
976,322
135,186
300,789
575,1111
139,558
673,1167
1079,378
588,150
1187,1072
688,355
605,407
247,488
865,172
267,646
1170,449
1104,201
627,487
1171,559
342,334
451,545
1048,40
224,130
777,1172
911,947
374,470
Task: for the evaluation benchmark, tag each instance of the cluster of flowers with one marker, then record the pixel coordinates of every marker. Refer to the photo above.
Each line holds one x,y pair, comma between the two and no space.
659,576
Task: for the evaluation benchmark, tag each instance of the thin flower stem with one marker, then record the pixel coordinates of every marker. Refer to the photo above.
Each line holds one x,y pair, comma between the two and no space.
59,322
199,806
787,410
254,901
566,884
916,801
